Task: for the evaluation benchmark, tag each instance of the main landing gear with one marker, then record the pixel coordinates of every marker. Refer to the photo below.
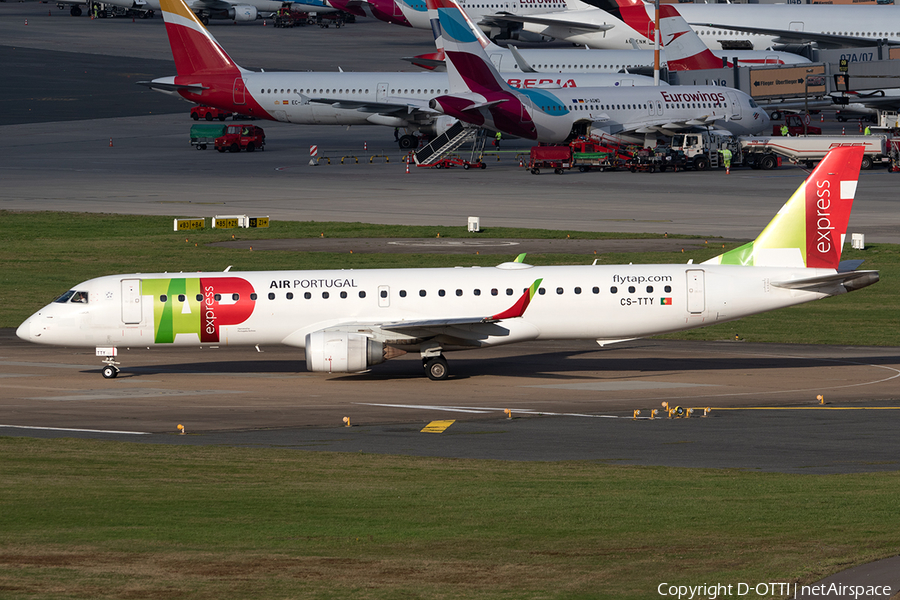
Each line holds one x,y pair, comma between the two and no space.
434,362
436,368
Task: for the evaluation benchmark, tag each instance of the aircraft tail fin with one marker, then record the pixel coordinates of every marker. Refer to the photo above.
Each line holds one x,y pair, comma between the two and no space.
685,51
468,66
810,228
195,50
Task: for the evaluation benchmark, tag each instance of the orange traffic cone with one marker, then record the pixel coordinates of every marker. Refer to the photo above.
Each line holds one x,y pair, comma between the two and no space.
110,143
407,168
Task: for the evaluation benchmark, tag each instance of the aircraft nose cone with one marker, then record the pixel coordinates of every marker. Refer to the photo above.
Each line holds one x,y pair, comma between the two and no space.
24,330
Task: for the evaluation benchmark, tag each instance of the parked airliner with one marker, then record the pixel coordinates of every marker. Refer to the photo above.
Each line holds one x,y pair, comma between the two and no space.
478,95
682,50
413,13
207,75
349,320
723,26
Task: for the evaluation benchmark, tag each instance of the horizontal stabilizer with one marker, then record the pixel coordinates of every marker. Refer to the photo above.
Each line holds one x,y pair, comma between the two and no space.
165,86
825,284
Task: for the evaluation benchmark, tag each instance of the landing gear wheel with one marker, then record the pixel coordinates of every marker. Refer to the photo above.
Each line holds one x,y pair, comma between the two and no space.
109,372
436,368
408,142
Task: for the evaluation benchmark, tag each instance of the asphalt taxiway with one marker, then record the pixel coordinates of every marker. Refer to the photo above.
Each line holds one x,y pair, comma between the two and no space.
567,400
82,136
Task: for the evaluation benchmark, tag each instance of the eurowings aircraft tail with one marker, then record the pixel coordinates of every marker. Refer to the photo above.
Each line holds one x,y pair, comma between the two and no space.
195,51
478,94
810,228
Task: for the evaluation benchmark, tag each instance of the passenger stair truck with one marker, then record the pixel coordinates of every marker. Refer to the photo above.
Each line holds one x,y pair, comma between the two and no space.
448,142
762,152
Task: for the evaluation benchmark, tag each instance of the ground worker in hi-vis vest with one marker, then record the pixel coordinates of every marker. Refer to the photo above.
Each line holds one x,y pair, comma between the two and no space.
726,158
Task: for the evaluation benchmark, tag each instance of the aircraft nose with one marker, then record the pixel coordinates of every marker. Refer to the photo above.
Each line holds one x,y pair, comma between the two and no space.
24,330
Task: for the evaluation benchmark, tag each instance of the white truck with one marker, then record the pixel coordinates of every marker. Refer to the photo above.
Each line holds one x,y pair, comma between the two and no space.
763,152
702,150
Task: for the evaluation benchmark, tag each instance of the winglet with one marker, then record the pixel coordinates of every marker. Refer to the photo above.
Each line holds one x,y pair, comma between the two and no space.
517,309
520,258
810,228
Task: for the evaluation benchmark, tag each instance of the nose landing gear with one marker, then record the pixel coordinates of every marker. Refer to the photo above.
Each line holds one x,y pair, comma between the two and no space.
110,369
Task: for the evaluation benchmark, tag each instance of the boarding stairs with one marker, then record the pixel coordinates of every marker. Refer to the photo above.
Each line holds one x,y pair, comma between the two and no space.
450,141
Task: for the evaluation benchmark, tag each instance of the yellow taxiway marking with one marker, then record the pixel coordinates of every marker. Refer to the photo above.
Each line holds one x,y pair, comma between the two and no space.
437,426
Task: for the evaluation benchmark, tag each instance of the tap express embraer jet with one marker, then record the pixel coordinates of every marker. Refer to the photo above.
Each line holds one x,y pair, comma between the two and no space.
349,320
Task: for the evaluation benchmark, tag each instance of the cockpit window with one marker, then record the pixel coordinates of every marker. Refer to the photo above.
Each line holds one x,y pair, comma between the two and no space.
73,296
753,104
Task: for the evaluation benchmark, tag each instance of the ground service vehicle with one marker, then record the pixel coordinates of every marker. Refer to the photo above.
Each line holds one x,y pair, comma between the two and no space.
845,115
205,135
241,137
762,152
795,126
209,113
582,154
702,150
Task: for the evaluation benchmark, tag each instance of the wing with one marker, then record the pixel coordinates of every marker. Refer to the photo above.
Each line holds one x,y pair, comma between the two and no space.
464,331
800,37
391,106
570,22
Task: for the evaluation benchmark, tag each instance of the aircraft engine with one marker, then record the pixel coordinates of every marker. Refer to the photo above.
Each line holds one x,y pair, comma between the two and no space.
242,12
343,352
439,125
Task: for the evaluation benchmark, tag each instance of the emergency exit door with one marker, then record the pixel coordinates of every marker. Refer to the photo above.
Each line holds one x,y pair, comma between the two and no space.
696,295
131,301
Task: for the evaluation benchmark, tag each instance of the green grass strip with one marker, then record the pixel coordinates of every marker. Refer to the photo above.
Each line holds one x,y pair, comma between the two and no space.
90,519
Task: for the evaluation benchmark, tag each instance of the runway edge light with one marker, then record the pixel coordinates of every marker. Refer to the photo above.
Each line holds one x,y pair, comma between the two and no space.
346,421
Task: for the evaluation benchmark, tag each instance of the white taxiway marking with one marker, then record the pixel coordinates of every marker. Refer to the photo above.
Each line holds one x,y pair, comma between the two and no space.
484,410
79,430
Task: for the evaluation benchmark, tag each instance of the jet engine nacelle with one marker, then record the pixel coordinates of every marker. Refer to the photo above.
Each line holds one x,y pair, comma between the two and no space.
439,125
341,352
242,12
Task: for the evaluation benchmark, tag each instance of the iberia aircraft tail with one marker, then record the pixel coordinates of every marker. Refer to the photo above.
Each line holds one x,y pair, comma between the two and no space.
810,228
206,74
195,50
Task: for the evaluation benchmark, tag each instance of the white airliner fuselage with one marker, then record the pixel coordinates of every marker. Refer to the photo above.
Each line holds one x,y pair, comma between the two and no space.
605,303
862,22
